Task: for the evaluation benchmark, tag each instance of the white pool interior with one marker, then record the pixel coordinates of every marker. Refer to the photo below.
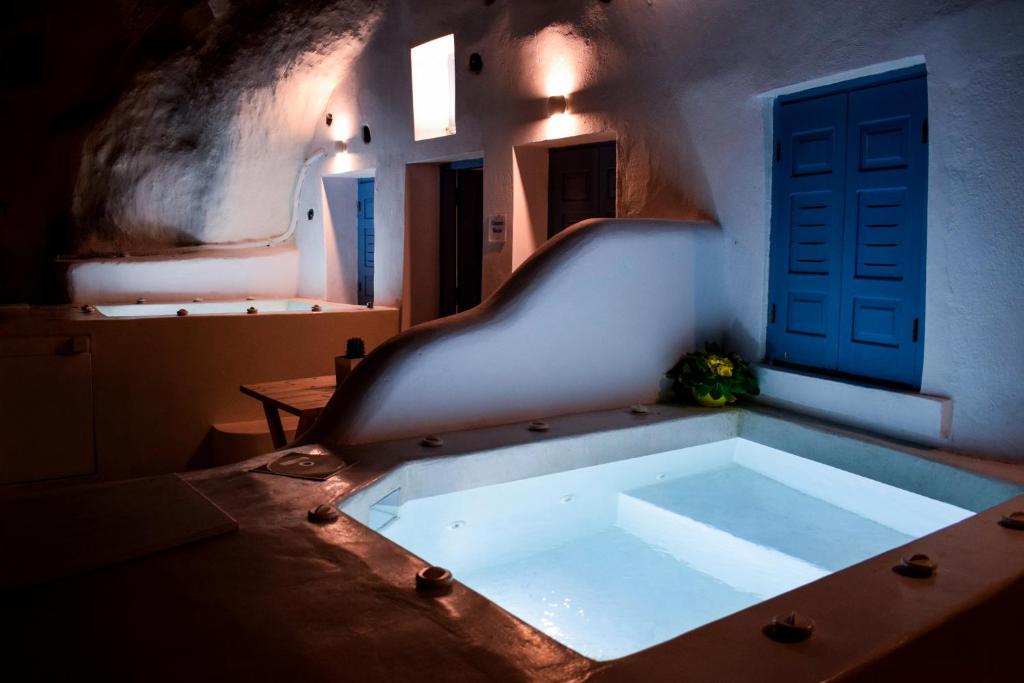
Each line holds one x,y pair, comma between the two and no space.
147,310
615,558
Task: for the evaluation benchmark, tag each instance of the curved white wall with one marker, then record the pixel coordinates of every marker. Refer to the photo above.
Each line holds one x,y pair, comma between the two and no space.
593,320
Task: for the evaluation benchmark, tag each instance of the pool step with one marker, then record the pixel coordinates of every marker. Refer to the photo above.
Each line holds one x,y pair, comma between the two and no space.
385,511
736,562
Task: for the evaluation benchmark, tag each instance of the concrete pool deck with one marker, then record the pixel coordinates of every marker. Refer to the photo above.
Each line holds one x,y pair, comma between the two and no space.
284,599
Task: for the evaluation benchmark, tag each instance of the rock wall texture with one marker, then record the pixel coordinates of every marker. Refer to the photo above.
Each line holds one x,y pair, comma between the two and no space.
206,145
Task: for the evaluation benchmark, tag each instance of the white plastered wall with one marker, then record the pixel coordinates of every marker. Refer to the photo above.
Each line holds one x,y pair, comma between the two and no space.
681,85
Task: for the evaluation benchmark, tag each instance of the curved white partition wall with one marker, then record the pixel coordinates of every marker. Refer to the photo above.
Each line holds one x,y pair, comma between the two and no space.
592,320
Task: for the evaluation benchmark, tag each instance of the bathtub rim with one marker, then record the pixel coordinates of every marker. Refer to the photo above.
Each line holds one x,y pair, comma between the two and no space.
98,313
994,482
943,543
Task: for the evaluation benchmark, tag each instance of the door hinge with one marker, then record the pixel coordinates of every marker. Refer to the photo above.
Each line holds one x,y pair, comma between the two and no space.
771,314
913,334
778,151
924,131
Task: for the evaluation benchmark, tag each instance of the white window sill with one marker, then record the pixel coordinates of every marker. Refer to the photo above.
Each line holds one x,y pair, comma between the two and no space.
903,414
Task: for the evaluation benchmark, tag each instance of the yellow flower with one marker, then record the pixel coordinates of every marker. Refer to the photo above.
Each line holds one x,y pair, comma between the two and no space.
720,366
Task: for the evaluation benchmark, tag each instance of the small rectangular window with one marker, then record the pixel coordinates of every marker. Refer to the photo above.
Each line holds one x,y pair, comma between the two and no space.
433,88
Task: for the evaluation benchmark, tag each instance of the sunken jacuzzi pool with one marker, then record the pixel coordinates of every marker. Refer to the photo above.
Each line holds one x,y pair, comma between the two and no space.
611,556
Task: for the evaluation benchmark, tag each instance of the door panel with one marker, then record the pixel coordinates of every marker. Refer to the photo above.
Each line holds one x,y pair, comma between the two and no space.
807,231
461,236
581,185
883,280
471,237
366,240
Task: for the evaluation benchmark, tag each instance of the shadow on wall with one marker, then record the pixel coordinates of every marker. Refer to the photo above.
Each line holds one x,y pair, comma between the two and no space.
63,67
592,320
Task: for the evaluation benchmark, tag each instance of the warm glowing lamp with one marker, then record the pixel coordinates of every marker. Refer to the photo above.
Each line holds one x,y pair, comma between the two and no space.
557,104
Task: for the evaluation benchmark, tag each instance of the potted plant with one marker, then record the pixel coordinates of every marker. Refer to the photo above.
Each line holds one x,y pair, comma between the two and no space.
712,377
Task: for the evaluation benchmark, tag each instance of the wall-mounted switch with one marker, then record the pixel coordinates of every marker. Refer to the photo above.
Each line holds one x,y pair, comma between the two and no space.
496,228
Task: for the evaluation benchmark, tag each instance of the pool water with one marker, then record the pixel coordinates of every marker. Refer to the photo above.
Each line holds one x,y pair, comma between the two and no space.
615,558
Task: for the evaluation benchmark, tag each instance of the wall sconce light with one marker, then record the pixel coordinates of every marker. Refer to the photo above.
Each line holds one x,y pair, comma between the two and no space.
557,104
340,147
330,118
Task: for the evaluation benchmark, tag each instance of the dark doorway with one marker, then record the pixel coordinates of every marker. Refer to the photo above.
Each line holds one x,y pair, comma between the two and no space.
365,239
581,184
462,227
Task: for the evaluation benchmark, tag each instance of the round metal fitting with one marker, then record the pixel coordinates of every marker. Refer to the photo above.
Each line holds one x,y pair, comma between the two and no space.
432,441
86,308
792,628
1014,520
639,409
916,566
538,426
433,579
141,300
252,310
323,514
315,308
182,311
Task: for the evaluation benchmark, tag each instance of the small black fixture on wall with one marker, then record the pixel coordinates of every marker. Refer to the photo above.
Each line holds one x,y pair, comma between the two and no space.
330,118
476,63
366,135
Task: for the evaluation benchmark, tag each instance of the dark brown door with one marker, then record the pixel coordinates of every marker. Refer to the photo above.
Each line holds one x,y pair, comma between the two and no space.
462,227
581,184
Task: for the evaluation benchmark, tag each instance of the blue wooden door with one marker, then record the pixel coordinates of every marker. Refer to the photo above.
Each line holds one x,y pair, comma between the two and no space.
365,239
848,216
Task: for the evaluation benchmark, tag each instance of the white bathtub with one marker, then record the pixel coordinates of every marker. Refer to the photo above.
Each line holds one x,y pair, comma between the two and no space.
268,272
234,307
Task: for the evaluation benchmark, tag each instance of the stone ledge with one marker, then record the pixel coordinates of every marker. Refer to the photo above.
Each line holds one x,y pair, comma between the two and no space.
920,418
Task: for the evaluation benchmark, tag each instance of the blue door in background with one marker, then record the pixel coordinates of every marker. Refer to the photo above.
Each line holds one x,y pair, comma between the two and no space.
846,291
365,231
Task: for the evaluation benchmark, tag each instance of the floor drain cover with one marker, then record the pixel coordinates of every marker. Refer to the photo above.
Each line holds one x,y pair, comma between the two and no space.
304,465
